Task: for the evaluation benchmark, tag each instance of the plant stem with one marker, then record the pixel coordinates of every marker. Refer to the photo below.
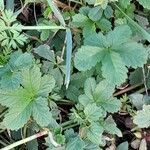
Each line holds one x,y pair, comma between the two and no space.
45,132
67,123
34,27
70,126
127,89
144,80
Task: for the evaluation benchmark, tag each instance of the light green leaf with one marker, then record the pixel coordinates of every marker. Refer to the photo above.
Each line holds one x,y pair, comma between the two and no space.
111,127
30,99
124,3
104,24
113,68
85,100
142,118
111,105
75,143
133,54
19,113
92,112
87,57
94,133
11,80
79,20
45,52
89,87
95,13
119,35
145,3
23,61
31,79
46,86
103,91
95,40
123,146
141,31
41,112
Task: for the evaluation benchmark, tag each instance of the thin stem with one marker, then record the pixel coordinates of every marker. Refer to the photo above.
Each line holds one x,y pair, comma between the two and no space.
67,123
34,28
144,80
70,126
2,143
35,14
127,89
45,132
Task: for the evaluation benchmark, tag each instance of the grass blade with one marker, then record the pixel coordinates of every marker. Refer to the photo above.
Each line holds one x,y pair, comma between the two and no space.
56,12
68,56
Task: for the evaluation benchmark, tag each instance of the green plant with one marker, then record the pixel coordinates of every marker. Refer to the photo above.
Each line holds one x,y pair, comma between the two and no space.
115,51
10,38
64,70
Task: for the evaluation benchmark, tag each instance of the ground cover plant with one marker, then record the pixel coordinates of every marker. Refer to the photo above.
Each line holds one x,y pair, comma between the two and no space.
74,74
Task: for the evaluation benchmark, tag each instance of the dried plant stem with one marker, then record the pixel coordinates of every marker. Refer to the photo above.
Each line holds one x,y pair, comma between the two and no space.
42,133
127,89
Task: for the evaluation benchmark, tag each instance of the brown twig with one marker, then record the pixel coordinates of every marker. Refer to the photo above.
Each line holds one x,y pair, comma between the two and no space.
127,89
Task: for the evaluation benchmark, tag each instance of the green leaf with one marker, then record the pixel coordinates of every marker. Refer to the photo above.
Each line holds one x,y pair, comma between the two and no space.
104,24
128,51
45,52
111,105
79,20
75,144
136,76
31,79
142,118
123,146
114,50
101,96
11,72
46,86
30,99
103,91
10,5
145,3
92,112
87,57
89,87
119,35
85,100
111,127
41,112
95,39
11,80
20,112
95,13
113,68
124,3
141,32
94,133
